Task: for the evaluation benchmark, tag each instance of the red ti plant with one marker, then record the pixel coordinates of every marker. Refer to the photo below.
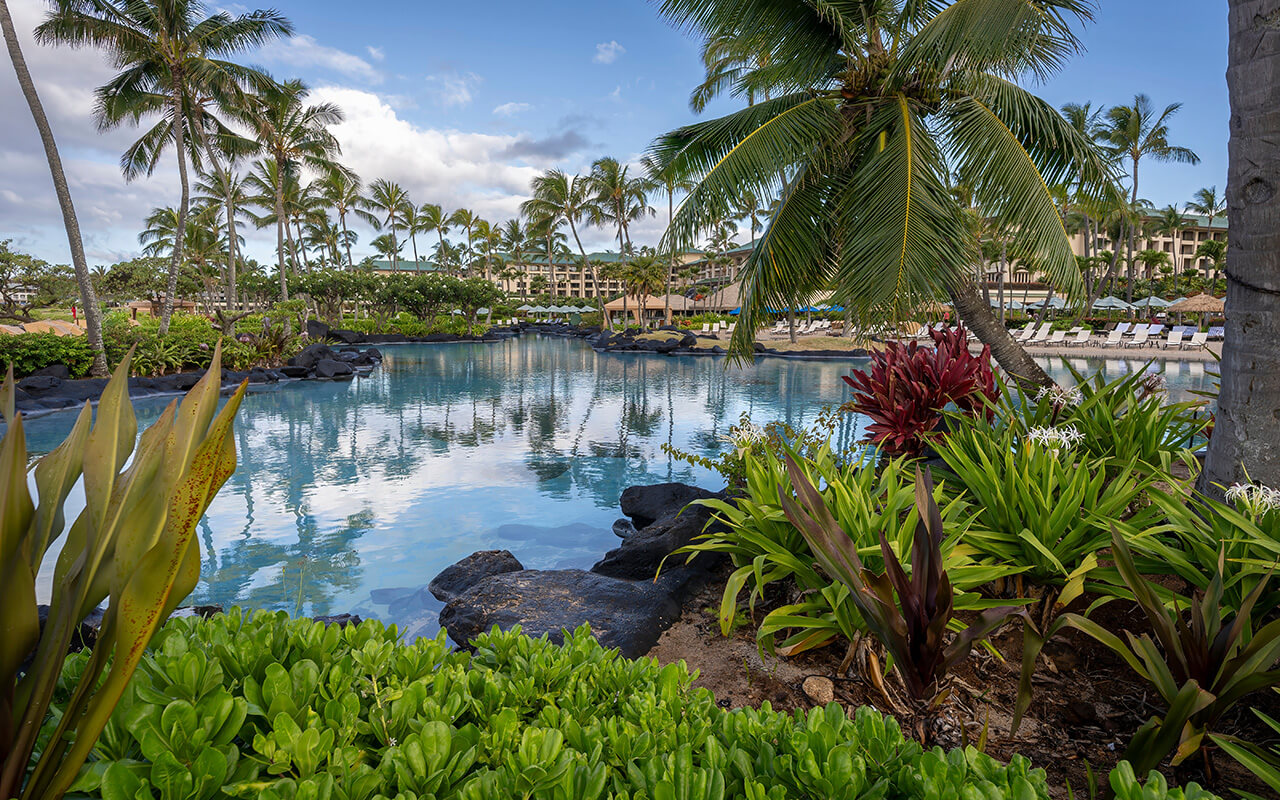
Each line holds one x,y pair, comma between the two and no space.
910,616
908,386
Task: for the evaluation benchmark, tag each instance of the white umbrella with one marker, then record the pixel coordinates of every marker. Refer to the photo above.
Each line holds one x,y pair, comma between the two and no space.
525,307
1112,302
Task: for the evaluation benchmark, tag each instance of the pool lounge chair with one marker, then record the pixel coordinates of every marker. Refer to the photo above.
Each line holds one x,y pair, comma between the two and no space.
1174,339
1139,339
1042,334
1114,339
1198,340
1082,338
1218,332
1123,327
1027,333
706,327
1058,337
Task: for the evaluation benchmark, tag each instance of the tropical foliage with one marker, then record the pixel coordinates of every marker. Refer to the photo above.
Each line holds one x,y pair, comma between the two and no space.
131,546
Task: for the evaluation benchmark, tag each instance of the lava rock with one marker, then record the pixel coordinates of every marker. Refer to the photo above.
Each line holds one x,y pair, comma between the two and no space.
688,340
623,614
457,578
59,371
642,553
622,528
341,620
331,368
39,384
317,330
347,337
648,504
311,355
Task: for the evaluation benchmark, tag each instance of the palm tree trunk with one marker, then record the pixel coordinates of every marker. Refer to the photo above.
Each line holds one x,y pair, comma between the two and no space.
1246,436
300,246
977,315
1004,265
88,296
671,267
413,237
346,237
595,280
180,145
231,254
284,281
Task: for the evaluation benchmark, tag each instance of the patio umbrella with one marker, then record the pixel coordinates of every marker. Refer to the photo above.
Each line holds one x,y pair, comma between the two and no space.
1153,302
1054,303
482,311
1200,304
525,307
1112,303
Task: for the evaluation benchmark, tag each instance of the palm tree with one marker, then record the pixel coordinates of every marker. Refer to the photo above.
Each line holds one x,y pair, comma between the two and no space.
226,188
1214,252
1247,427
414,224
489,238
1134,132
874,113
340,190
665,177
294,137
727,64
386,207
513,240
620,199
172,60
434,219
387,246
1170,222
466,219
558,198
88,295
1207,203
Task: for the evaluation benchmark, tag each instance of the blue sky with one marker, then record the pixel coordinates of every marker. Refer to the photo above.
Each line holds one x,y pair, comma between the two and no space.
463,102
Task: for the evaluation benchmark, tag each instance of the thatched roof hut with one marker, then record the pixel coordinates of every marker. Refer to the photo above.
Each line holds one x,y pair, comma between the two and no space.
1200,304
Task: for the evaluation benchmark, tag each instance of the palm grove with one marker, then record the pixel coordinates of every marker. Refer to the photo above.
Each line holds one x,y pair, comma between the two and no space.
898,148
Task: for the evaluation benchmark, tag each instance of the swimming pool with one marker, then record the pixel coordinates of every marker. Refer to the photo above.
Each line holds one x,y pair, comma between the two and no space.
350,497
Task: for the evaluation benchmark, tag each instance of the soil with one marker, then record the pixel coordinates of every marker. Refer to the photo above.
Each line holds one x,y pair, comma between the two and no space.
1087,701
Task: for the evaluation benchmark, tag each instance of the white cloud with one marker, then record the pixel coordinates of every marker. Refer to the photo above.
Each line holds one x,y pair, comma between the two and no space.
608,52
453,88
511,109
616,94
376,53
304,51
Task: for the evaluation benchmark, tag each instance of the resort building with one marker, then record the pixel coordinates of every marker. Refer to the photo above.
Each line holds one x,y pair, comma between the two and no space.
1181,252
383,267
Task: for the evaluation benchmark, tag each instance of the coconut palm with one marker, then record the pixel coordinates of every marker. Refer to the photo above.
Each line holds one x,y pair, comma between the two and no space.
88,294
570,199
386,207
1170,222
1214,253
340,190
466,219
294,137
226,188
1207,203
665,177
489,237
1135,132
172,59
1243,449
874,112
434,219
620,199
387,246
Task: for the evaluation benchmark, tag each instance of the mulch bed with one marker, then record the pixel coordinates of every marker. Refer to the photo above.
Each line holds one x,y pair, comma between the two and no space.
1087,703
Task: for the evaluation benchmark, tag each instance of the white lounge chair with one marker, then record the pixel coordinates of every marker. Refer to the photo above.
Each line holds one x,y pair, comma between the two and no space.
1082,338
1198,340
1042,334
706,327
1139,339
1114,339
1174,339
733,326
1123,327
1058,337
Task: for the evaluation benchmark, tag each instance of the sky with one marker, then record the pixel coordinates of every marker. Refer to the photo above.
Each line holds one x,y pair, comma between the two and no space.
463,103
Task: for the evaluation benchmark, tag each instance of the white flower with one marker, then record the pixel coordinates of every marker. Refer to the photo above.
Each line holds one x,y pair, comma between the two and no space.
1055,438
745,435
1256,498
1061,395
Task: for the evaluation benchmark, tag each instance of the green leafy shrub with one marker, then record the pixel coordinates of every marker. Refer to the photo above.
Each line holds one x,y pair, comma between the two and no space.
274,709
865,500
28,352
286,709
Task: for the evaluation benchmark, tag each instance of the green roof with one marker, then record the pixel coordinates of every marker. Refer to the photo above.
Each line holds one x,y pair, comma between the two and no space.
1199,220
403,265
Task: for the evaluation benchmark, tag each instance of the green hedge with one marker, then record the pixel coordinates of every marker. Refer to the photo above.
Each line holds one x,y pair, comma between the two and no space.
266,707
28,352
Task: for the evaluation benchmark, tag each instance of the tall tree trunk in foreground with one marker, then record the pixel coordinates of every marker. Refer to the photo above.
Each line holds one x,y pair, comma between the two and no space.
1246,437
976,314
88,297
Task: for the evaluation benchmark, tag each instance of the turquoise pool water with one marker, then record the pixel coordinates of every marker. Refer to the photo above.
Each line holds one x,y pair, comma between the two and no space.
350,497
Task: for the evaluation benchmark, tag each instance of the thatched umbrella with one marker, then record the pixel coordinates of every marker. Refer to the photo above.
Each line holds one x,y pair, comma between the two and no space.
1200,304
